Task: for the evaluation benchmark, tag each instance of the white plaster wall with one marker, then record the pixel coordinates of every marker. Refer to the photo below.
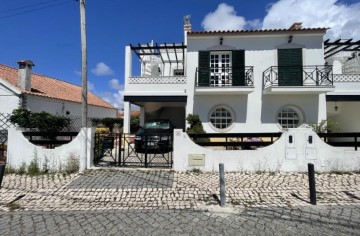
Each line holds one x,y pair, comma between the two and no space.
337,66
262,119
158,89
347,88
20,150
58,107
259,109
280,156
8,100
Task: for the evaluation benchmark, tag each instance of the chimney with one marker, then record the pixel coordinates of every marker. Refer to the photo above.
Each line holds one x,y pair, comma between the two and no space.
187,27
296,26
24,79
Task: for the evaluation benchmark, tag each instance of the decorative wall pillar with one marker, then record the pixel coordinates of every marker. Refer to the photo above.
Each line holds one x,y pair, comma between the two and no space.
127,110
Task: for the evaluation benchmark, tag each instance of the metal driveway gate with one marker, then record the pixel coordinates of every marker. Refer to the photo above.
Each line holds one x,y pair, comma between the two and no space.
126,150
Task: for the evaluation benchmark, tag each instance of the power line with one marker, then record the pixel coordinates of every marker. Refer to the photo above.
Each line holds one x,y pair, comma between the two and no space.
36,9
28,6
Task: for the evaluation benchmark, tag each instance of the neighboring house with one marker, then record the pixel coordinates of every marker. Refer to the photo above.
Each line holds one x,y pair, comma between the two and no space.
237,81
134,113
343,104
20,88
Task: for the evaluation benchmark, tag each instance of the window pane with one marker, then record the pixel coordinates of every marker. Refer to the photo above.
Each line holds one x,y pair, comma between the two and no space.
221,118
289,117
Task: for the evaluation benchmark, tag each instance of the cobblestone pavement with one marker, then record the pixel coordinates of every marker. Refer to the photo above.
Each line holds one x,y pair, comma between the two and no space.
159,202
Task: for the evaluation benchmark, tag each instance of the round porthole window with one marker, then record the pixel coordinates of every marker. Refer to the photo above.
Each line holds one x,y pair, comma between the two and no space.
290,117
221,117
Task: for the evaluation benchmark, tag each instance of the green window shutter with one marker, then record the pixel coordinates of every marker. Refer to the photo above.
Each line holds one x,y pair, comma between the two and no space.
290,67
238,68
204,69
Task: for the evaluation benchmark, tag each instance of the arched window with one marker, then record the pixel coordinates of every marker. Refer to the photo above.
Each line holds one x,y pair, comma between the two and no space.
290,117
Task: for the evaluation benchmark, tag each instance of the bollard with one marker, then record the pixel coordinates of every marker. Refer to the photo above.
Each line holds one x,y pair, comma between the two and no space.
312,188
222,185
2,172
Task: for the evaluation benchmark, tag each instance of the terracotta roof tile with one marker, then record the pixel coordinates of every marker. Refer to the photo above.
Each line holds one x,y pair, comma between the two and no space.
257,31
45,86
133,113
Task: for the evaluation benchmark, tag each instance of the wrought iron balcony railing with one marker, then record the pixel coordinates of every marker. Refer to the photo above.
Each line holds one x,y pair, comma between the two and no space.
305,76
224,76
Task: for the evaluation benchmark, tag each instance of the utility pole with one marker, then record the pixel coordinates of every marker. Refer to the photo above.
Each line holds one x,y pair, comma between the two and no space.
83,64
83,158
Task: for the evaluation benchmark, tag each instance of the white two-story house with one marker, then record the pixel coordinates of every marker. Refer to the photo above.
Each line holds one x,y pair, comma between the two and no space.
236,81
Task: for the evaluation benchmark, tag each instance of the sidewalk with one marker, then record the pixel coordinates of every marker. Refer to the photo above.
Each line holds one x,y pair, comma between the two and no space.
164,189
159,202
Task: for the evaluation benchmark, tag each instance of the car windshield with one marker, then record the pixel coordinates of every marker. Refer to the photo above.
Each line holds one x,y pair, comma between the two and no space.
157,125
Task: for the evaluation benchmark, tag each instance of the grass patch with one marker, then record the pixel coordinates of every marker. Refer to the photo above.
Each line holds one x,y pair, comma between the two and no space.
195,171
9,170
14,206
337,172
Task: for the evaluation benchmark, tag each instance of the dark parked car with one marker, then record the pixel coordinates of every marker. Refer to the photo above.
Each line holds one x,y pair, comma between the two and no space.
155,137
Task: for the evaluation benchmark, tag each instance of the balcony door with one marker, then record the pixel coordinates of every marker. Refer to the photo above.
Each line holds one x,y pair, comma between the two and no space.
290,67
221,68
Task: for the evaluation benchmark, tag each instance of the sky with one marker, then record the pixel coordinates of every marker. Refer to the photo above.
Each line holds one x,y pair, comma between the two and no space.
48,31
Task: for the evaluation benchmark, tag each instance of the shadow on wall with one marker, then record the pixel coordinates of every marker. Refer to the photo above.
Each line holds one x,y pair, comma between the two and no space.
203,105
175,114
306,104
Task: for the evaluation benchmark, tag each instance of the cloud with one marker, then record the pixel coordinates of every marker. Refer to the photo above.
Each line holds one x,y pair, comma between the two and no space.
90,86
115,99
77,72
223,18
343,19
115,84
102,69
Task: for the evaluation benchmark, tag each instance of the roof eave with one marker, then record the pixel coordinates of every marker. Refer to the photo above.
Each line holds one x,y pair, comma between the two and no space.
10,86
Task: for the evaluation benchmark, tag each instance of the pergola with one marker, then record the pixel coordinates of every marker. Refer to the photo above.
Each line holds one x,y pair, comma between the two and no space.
331,48
162,50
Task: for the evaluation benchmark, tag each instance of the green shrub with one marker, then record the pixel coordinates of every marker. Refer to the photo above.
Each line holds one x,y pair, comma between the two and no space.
9,170
196,127
107,122
33,168
22,169
43,121
325,126
134,124
72,164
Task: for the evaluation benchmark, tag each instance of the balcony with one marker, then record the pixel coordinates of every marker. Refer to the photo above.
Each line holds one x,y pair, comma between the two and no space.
159,70
298,80
224,80
346,84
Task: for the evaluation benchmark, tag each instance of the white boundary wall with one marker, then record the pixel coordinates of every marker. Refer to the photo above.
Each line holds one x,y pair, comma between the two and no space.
20,150
280,156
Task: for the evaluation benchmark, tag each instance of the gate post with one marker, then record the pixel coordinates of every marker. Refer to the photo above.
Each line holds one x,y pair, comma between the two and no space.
312,188
146,145
119,136
222,185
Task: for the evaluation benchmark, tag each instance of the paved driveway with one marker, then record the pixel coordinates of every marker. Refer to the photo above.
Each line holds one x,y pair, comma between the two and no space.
158,202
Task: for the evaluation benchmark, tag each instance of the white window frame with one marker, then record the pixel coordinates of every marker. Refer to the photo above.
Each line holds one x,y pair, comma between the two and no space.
229,125
295,114
221,76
